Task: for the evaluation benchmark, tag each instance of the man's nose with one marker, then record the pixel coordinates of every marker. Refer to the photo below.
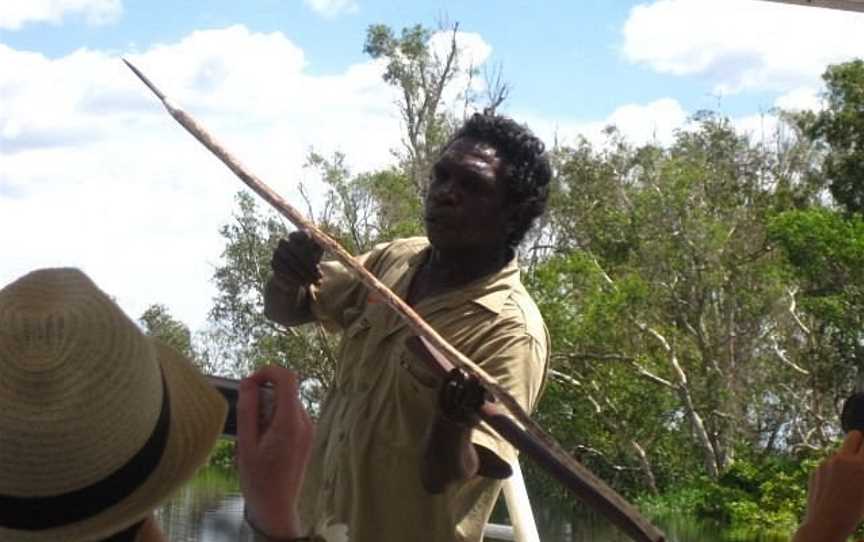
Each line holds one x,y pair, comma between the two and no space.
444,192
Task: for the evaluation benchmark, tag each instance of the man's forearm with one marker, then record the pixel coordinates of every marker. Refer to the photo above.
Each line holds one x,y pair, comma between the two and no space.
287,304
449,455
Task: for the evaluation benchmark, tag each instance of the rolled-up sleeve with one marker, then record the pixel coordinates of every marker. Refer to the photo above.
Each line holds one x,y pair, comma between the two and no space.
518,361
339,290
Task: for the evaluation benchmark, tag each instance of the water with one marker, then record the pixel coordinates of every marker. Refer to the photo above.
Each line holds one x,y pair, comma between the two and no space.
210,509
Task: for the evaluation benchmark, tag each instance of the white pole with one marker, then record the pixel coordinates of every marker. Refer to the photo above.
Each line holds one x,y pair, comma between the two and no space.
519,507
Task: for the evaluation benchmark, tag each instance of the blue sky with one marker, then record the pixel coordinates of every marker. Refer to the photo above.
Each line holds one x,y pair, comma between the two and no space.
94,174
563,57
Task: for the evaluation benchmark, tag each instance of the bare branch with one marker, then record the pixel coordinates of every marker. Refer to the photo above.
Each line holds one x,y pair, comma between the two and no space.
497,89
792,305
592,356
642,371
775,347
564,377
601,455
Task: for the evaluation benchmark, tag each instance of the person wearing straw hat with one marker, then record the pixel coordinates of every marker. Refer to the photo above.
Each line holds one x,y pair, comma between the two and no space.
99,424
387,460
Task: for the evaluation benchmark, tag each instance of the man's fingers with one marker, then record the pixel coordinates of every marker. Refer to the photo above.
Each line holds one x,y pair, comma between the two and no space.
298,263
292,267
852,443
305,238
247,417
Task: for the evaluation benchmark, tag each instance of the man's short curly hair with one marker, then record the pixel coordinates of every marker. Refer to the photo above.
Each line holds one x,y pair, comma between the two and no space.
527,172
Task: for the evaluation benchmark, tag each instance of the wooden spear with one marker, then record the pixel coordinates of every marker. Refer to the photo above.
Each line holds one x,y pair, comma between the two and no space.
554,459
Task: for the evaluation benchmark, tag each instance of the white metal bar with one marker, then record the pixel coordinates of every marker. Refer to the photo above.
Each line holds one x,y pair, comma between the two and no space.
493,531
519,507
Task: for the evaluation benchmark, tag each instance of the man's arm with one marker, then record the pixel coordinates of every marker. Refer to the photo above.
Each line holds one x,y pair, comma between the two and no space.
449,455
287,304
295,267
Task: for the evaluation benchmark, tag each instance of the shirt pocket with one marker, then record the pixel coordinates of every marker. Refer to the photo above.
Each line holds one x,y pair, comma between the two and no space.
351,350
419,373
417,391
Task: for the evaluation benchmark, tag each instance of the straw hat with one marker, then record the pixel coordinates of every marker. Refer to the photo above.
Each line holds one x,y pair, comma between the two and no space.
98,423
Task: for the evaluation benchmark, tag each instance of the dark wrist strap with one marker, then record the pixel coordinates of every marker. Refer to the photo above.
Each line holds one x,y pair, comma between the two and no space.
261,536
460,423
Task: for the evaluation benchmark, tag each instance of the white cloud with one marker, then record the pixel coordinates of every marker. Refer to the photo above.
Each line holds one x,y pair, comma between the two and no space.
741,44
15,14
654,122
332,8
761,128
94,173
800,99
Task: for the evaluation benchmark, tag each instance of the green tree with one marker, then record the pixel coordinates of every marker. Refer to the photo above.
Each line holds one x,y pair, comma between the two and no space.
362,210
159,323
241,336
665,303
841,127
421,75
825,254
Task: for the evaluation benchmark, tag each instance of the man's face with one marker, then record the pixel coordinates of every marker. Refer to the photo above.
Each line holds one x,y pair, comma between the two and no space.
465,206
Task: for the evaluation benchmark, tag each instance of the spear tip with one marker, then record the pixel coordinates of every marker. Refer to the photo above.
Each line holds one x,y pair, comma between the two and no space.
144,80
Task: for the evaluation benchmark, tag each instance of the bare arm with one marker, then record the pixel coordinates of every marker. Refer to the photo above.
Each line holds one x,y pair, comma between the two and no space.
449,456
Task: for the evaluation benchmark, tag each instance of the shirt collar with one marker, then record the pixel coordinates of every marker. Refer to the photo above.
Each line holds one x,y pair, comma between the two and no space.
490,291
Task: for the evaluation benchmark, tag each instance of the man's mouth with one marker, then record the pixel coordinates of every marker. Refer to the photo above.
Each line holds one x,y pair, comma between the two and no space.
440,218
438,222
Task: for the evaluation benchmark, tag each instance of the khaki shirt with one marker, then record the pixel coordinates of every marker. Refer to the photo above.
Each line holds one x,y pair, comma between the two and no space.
365,467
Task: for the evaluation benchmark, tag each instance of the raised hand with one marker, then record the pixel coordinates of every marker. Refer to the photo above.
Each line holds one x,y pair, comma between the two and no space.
272,455
295,260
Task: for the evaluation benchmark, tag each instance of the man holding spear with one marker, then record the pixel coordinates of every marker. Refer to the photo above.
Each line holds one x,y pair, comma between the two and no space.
517,157
386,461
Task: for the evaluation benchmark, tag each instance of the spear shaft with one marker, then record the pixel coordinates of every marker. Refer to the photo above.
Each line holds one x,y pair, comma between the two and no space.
591,489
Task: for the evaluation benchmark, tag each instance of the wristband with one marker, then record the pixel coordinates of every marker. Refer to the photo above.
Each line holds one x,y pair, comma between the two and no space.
261,536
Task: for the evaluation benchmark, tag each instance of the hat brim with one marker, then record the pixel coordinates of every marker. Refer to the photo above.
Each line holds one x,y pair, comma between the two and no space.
197,417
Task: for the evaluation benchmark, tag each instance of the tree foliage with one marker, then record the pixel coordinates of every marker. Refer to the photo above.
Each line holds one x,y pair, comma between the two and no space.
158,322
420,74
841,126
244,337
